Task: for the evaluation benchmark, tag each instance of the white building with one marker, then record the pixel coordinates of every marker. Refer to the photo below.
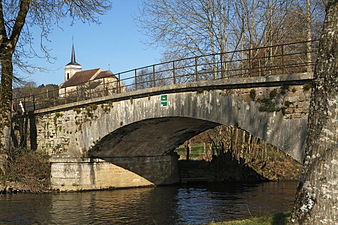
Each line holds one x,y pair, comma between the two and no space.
88,83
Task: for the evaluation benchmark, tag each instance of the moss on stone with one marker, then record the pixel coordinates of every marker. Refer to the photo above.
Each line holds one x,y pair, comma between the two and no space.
77,110
267,105
307,86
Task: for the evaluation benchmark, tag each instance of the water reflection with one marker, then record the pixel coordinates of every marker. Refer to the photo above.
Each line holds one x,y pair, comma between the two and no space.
131,206
162,205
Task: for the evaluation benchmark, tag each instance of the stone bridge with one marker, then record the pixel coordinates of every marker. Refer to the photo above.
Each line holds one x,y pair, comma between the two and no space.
126,140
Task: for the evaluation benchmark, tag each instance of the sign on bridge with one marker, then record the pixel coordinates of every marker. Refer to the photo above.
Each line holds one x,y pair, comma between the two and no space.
164,100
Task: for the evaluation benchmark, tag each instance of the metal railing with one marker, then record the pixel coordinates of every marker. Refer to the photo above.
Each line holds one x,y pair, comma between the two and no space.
262,61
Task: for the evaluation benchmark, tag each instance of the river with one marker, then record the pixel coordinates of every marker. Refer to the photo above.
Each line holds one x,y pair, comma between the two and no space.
193,204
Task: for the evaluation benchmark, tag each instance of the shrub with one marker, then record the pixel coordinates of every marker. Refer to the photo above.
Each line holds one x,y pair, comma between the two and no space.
267,105
284,89
273,94
29,167
253,94
307,86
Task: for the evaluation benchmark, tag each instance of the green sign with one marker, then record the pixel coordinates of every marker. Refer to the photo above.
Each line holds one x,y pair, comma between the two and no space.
164,104
164,97
164,100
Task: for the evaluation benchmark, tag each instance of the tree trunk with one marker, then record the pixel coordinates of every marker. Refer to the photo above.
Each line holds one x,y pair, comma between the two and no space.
317,199
308,36
5,106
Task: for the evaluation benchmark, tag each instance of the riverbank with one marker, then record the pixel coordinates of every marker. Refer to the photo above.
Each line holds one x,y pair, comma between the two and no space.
26,171
276,219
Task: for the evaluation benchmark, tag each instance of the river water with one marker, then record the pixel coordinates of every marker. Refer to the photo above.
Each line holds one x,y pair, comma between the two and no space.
195,204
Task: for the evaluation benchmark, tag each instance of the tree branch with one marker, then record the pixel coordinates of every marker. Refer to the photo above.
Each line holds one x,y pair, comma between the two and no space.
19,22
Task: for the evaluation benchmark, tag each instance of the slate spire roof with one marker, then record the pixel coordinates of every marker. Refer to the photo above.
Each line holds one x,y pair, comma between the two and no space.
72,58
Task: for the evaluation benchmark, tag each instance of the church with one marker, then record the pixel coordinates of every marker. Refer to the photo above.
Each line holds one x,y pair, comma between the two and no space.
88,83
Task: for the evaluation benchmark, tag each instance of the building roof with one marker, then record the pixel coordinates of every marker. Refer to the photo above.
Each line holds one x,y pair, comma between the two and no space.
105,74
86,75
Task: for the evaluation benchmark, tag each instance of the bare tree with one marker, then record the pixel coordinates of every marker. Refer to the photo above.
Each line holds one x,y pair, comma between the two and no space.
17,17
317,195
145,79
202,27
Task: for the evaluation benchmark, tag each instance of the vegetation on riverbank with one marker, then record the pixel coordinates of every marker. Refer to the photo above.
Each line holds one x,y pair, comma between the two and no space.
276,219
27,171
228,143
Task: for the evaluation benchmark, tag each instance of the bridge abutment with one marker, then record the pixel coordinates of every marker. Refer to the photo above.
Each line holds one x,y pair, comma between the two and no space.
76,174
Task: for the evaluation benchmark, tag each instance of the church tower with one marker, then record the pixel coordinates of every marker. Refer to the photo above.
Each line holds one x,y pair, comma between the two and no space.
72,67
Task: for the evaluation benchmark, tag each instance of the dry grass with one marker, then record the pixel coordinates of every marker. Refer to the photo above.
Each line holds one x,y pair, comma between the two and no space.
28,170
276,219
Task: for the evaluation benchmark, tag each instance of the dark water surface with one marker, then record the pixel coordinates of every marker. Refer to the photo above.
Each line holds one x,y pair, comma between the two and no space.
196,204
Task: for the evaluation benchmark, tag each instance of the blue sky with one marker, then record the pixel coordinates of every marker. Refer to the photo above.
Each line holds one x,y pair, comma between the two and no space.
116,43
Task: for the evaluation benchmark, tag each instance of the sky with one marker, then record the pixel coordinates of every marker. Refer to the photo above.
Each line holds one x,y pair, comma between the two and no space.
116,44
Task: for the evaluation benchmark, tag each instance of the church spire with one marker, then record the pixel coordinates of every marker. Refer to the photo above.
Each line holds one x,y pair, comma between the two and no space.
72,67
73,55
72,58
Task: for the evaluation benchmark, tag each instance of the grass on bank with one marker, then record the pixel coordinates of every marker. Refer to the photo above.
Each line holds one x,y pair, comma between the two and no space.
276,219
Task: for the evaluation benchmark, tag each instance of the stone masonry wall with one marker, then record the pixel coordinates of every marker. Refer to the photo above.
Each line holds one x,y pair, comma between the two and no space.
64,132
292,101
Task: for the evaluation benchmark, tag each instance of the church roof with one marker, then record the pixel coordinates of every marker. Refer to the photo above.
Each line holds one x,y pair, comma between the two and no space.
86,75
105,74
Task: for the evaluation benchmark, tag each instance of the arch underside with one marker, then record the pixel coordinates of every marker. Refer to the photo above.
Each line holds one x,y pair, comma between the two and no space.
150,137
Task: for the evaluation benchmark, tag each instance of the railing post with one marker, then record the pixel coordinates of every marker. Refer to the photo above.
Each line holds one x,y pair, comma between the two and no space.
24,104
174,72
77,93
135,79
250,71
119,83
154,82
104,87
283,66
33,102
222,74
90,90
65,96
196,71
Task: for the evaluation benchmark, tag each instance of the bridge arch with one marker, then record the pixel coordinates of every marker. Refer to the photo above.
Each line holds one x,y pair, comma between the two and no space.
79,135
120,125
